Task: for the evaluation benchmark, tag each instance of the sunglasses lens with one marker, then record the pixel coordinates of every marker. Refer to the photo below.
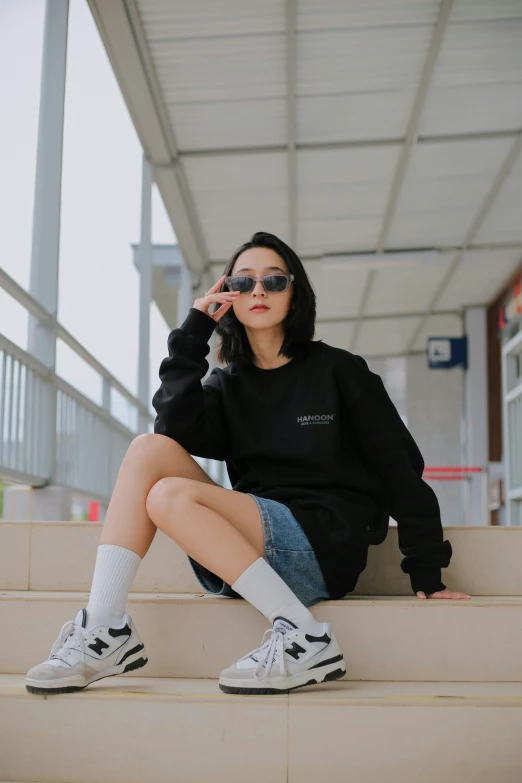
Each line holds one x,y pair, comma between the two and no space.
245,284
241,284
275,283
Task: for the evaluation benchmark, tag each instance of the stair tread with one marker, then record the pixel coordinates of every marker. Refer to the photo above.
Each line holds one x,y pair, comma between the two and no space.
349,600
392,693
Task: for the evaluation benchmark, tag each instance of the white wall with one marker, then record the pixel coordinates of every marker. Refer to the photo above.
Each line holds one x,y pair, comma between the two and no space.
434,407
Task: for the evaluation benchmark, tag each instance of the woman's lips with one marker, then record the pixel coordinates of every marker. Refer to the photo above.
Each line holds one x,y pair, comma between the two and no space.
260,309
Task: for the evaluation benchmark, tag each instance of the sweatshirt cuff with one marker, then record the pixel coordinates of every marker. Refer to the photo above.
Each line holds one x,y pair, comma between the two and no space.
426,579
199,324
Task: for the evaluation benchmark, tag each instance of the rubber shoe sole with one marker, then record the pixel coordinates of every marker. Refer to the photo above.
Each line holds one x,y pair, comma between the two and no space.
334,671
34,686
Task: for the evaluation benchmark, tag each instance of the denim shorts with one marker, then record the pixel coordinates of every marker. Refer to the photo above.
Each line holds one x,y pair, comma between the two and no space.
287,550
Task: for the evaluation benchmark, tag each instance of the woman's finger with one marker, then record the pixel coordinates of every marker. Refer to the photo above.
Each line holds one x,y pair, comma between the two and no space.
221,311
218,283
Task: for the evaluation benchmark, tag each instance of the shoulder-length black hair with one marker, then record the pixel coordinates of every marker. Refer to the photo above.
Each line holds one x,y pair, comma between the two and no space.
299,324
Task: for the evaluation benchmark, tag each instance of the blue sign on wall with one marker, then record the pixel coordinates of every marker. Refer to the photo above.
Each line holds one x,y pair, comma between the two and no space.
447,352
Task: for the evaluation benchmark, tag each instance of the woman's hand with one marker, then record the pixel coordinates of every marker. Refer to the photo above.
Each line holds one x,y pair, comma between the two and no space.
443,594
225,297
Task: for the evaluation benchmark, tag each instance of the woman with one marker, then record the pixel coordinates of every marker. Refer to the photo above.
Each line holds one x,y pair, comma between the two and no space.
318,458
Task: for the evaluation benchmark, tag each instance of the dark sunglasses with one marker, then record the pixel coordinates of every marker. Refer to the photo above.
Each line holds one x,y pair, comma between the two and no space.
273,284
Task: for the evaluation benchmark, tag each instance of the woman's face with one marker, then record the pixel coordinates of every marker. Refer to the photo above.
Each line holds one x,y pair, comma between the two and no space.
258,262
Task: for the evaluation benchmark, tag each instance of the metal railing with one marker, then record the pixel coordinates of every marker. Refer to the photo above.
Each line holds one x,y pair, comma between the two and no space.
51,433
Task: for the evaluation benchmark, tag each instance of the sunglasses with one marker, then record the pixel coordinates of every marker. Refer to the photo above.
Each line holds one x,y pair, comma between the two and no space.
273,284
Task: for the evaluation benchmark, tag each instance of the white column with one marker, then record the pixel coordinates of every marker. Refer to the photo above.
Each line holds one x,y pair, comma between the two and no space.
145,265
43,283
476,407
186,295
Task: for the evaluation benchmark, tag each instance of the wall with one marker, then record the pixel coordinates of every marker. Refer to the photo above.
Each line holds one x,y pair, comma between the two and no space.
433,409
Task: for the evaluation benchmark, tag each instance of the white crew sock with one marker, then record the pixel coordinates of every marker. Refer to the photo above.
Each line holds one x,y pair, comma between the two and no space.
114,574
261,586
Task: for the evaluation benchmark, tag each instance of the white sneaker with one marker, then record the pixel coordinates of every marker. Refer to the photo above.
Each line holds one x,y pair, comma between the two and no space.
290,659
81,656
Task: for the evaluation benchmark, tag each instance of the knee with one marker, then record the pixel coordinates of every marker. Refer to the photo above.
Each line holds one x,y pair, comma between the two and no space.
147,444
163,494
145,441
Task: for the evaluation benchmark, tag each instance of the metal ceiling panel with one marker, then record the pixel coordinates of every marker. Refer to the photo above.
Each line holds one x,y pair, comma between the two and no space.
445,184
342,200
183,19
341,196
207,69
363,60
477,80
315,237
480,53
503,222
479,277
338,290
238,195
224,238
463,158
435,229
466,10
474,108
406,289
229,124
221,68
352,117
386,336
220,173
335,14
348,166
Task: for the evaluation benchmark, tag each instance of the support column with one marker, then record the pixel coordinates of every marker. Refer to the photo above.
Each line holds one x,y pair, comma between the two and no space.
186,295
145,265
43,284
476,406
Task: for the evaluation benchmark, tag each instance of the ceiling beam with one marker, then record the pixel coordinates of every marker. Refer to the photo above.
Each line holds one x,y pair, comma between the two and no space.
406,149
381,317
489,247
318,146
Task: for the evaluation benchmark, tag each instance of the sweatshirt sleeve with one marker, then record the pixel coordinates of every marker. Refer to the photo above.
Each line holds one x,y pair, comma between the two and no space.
389,446
187,410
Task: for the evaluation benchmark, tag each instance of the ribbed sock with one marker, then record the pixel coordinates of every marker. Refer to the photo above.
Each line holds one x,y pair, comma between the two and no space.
114,574
261,586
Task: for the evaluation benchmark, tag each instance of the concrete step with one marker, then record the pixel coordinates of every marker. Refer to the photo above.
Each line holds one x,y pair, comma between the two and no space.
198,635
61,556
140,730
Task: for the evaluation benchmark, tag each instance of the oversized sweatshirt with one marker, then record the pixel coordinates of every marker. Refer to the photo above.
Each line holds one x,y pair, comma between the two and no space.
320,435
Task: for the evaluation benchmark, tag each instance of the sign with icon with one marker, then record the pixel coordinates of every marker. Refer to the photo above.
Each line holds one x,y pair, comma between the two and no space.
447,352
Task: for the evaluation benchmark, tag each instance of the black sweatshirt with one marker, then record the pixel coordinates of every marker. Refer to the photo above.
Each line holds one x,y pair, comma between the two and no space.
320,435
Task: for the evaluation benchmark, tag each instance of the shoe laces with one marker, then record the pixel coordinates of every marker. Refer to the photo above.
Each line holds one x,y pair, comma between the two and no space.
268,652
71,630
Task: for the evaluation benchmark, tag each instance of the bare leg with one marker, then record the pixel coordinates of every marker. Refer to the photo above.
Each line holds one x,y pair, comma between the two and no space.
160,485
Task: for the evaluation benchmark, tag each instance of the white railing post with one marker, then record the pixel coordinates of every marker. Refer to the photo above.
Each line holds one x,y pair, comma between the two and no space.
475,391
512,427
145,268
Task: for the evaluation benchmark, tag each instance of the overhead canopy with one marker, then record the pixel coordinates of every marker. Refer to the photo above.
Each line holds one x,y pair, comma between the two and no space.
346,128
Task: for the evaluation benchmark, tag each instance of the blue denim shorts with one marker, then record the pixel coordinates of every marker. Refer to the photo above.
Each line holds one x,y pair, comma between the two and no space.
287,550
